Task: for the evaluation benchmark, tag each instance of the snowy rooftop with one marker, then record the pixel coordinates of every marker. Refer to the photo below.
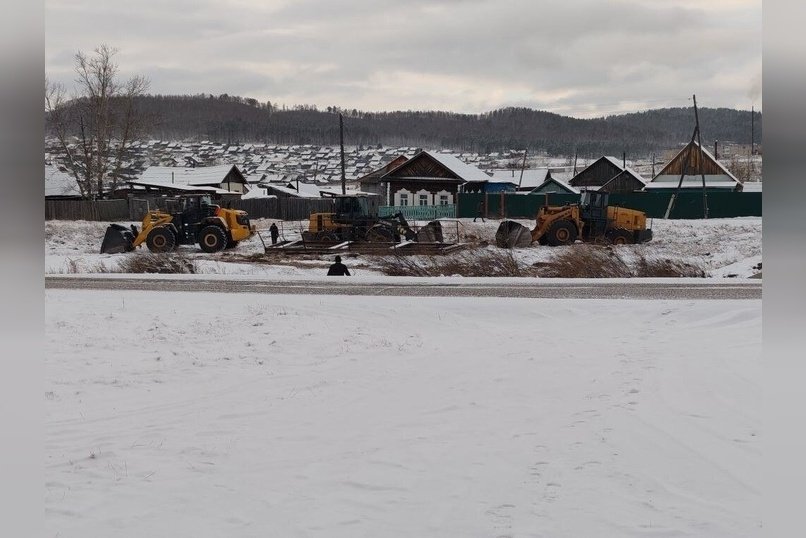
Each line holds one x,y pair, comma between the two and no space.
200,175
459,167
58,183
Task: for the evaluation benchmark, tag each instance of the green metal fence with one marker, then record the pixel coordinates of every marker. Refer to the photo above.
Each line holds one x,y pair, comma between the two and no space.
688,205
419,212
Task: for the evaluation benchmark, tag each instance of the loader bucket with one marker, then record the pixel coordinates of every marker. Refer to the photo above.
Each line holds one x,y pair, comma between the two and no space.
430,233
117,239
510,234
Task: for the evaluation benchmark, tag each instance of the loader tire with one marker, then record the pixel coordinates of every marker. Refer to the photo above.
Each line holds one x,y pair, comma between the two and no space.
621,237
161,239
327,237
212,238
380,234
560,233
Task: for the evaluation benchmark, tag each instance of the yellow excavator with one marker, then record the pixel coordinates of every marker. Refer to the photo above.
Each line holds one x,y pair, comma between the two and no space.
195,220
590,220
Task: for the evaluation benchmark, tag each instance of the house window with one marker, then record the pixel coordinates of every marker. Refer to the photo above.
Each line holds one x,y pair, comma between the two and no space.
404,199
443,199
423,199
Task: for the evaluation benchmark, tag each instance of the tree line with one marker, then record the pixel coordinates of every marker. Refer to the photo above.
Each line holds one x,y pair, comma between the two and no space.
233,119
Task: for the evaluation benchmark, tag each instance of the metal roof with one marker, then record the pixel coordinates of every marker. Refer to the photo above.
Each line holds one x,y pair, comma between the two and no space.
200,175
459,167
180,187
58,183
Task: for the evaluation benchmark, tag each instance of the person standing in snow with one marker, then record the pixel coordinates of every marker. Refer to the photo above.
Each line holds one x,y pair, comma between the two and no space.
338,268
274,233
479,212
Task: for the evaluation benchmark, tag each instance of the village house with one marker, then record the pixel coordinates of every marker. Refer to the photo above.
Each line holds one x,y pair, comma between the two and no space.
372,181
429,178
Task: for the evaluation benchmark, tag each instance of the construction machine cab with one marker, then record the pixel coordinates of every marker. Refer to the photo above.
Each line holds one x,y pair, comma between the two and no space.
593,212
351,208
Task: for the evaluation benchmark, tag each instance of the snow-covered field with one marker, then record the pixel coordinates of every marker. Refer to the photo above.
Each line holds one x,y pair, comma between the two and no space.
207,415
721,247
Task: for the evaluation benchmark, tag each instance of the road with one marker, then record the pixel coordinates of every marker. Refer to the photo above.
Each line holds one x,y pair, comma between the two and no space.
539,290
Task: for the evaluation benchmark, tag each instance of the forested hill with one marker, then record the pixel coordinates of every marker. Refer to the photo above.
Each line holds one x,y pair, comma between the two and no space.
235,119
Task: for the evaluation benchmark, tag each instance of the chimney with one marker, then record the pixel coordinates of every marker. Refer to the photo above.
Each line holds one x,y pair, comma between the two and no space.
716,150
624,159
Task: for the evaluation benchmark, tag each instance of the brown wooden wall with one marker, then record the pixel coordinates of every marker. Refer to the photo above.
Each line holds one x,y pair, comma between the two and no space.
691,157
424,166
596,174
624,182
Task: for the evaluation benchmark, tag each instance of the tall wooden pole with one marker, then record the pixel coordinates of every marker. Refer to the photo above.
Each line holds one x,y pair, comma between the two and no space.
673,197
341,143
702,162
522,167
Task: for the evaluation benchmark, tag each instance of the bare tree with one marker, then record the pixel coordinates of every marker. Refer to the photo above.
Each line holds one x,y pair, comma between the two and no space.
97,124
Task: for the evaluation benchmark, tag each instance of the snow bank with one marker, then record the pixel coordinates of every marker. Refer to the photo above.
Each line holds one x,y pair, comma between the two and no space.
195,414
721,247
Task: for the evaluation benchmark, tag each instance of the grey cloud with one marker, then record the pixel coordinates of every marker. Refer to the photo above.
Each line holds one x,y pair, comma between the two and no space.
466,54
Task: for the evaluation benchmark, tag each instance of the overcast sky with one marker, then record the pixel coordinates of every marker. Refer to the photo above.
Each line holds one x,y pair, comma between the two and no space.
575,57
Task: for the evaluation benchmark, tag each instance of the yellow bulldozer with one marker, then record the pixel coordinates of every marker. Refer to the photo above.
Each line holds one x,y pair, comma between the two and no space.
355,218
193,219
590,220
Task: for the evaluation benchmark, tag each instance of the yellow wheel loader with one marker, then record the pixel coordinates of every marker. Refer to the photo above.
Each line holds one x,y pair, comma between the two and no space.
356,219
195,220
590,220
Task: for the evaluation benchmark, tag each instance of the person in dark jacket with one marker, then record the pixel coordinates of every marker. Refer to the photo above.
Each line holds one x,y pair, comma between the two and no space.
274,233
479,212
338,268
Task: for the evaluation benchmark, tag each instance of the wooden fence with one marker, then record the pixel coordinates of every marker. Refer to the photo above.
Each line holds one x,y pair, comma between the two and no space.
111,210
281,208
135,208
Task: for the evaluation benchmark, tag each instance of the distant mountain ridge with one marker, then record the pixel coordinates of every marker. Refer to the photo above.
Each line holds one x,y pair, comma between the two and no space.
233,119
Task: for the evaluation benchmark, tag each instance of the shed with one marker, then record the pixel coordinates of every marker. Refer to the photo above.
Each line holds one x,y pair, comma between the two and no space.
227,177
554,186
60,185
628,180
598,173
717,177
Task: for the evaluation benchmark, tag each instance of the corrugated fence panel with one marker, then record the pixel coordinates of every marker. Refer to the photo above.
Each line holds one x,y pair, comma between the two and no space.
282,208
688,205
104,210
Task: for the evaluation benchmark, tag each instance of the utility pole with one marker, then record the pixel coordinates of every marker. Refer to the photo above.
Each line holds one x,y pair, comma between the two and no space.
341,143
694,135
702,161
752,130
522,167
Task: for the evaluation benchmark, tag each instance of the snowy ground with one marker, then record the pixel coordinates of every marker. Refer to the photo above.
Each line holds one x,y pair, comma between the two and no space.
721,247
205,415
198,414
